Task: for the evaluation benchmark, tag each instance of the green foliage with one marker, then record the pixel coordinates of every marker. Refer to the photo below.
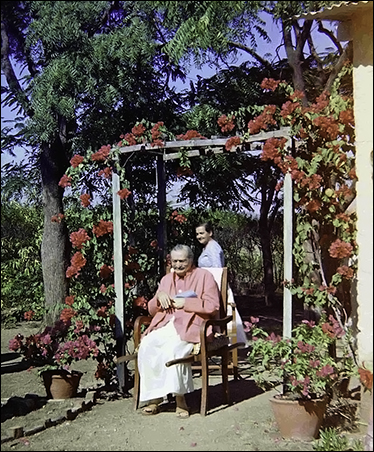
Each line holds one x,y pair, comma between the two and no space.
331,440
21,271
205,29
235,90
301,363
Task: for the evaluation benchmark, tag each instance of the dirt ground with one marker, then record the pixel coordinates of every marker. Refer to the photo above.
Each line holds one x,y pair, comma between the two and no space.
112,424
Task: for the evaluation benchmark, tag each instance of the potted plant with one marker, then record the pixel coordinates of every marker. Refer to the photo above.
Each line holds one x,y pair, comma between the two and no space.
53,351
304,368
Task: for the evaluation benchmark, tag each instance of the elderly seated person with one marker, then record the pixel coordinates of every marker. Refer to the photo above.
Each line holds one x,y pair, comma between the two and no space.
185,297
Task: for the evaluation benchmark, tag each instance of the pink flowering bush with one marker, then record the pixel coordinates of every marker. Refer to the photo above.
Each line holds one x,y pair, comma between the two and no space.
82,332
302,363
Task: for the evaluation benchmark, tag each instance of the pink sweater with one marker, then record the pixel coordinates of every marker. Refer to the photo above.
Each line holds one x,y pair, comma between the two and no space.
189,319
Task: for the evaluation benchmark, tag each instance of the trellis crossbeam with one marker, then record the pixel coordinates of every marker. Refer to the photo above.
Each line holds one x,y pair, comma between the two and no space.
171,149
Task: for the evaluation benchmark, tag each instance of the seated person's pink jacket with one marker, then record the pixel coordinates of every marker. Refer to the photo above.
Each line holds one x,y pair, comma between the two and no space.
189,319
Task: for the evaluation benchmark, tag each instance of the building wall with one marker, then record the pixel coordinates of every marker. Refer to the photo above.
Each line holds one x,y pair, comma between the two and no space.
362,36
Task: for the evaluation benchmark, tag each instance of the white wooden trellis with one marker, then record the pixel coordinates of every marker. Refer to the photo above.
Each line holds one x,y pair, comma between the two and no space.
171,151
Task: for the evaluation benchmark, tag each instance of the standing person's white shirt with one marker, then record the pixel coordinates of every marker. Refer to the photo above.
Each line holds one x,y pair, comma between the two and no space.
212,256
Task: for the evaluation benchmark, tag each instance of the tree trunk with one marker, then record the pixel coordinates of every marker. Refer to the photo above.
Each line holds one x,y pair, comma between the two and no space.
295,56
55,248
267,260
267,192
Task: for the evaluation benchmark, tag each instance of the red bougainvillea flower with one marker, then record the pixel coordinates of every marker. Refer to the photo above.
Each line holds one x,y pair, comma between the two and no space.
179,218
15,343
156,134
269,84
321,103
85,199
262,121
102,154
106,271
124,193
65,181
69,300
340,249
189,135
104,227
79,238
297,95
232,142
128,139
313,206
28,315
76,161
79,325
272,149
106,172
67,314
138,130
226,123
57,218
333,329
345,271
288,108
77,262
366,377
278,186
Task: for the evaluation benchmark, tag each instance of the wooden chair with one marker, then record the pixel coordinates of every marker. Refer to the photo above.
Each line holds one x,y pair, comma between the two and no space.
221,348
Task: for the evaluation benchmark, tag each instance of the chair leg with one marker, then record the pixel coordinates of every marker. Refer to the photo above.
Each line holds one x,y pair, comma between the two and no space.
136,386
235,360
225,377
204,386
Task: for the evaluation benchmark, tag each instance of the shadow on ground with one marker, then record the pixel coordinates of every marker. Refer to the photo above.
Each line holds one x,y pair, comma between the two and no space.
10,367
240,390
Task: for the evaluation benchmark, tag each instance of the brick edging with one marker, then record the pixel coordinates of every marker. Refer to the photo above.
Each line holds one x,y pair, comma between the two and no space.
70,414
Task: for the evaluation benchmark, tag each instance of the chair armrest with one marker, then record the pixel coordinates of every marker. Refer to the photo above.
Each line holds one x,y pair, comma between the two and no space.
139,322
211,322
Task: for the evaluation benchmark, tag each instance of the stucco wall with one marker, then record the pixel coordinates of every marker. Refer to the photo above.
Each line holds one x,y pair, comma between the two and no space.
362,34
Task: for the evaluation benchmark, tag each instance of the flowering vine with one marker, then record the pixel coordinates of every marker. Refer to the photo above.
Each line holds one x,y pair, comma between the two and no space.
321,166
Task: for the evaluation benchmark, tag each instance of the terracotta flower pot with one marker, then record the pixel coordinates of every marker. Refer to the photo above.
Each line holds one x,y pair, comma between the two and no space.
60,384
299,419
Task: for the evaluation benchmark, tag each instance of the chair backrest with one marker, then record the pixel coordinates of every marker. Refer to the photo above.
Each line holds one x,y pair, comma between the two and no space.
220,275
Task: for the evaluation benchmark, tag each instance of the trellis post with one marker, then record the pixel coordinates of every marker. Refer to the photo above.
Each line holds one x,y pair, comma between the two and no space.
161,202
118,278
287,250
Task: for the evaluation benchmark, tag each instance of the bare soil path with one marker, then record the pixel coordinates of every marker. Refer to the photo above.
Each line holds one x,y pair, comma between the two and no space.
111,424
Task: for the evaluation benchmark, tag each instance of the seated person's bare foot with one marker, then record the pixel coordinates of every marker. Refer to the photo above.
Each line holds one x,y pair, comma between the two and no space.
152,407
182,410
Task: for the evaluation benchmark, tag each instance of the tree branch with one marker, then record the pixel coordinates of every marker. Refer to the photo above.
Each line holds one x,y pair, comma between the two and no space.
329,33
8,71
346,55
314,53
254,54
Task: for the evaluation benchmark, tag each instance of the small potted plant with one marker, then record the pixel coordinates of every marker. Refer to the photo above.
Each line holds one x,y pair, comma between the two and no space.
53,353
74,337
305,370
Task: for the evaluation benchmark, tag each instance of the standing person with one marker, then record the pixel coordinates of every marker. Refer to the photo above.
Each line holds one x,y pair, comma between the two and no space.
212,253
185,297
212,256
